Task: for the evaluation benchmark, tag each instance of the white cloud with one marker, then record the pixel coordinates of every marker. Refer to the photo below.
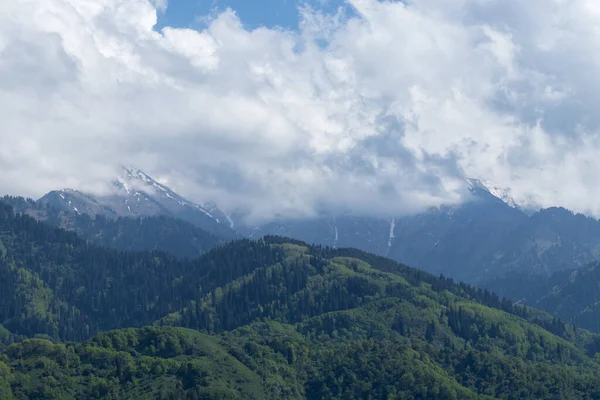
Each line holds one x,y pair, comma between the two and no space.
161,5
383,112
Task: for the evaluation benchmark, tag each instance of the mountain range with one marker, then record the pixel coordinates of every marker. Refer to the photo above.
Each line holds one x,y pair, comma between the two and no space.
479,241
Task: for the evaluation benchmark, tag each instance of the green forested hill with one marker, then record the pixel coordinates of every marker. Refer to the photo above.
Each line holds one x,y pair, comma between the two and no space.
55,283
129,363
274,318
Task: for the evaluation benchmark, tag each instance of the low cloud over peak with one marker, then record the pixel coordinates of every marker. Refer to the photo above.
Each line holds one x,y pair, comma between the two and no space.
382,111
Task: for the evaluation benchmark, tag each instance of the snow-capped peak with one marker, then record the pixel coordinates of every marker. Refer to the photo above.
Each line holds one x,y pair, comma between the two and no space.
136,194
503,194
475,184
132,181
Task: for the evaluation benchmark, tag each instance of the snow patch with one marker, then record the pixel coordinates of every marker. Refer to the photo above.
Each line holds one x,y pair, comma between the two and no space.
203,210
336,237
503,194
124,185
335,231
391,236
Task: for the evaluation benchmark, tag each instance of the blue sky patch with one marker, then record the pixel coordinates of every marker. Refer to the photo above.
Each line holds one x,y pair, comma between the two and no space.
253,14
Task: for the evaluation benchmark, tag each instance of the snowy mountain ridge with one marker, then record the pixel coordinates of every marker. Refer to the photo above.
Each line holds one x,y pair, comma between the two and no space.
137,194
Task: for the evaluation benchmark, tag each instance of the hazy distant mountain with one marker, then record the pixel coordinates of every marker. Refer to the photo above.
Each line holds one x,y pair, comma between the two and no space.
448,240
488,238
553,239
477,241
483,238
137,194
571,295
69,200
369,234
172,235
456,241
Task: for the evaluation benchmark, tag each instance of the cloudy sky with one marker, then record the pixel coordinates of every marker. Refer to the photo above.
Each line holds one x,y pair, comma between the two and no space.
376,106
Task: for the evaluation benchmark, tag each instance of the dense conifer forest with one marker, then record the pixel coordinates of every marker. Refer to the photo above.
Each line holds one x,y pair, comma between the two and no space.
571,295
267,319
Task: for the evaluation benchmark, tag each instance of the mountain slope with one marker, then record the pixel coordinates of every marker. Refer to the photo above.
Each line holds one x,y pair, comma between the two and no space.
552,240
456,241
570,295
369,234
171,235
73,201
136,194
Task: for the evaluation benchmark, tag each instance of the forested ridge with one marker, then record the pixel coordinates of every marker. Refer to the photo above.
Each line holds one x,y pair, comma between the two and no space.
60,285
572,295
273,318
